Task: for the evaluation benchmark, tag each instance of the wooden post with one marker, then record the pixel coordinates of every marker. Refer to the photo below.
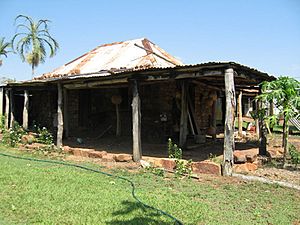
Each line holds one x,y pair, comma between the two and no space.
7,105
240,115
12,118
118,130
213,118
257,120
184,115
25,109
262,130
136,123
229,145
60,123
1,101
65,113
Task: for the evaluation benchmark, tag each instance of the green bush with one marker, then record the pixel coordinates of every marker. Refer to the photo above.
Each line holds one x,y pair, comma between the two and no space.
43,135
13,135
173,150
295,155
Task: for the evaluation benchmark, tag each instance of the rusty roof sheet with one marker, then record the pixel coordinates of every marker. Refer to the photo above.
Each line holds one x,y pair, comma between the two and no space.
117,57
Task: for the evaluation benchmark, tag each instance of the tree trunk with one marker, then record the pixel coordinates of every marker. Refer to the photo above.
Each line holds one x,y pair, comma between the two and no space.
7,106
229,145
136,123
65,113
184,116
25,109
240,116
286,138
12,104
60,123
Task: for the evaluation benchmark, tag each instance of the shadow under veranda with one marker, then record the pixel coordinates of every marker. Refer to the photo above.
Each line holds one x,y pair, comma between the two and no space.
145,216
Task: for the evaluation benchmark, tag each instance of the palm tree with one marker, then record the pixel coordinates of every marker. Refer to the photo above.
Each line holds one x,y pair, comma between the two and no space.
285,94
4,48
32,40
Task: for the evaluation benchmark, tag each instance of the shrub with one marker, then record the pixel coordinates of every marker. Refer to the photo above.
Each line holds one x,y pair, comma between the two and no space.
43,135
295,155
13,135
173,150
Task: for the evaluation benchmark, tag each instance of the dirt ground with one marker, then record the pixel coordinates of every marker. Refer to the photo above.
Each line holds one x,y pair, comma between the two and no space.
194,152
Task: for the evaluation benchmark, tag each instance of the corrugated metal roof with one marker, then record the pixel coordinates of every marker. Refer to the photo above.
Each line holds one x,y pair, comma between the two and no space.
119,56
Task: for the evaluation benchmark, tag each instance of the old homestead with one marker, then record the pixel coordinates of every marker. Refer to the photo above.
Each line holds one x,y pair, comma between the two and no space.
137,90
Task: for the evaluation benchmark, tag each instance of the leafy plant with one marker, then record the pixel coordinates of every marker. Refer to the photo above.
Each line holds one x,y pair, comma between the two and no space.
284,93
295,155
2,123
44,136
4,46
183,168
173,150
32,39
157,171
13,135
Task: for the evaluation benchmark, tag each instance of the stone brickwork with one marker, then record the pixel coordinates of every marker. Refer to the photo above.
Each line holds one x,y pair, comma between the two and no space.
73,110
42,109
203,106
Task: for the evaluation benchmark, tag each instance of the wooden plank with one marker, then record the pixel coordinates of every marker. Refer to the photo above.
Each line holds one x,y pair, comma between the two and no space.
191,123
65,112
60,123
11,101
7,106
1,101
25,109
240,116
229,145
192,111
136,123
184,115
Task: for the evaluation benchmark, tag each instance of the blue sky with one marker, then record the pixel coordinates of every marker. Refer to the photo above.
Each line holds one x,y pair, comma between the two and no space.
264,34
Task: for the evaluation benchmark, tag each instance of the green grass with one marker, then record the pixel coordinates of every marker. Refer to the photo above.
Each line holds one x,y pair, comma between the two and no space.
41,193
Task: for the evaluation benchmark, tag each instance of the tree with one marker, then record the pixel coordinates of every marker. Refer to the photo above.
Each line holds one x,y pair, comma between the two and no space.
32,39
4,46
285,94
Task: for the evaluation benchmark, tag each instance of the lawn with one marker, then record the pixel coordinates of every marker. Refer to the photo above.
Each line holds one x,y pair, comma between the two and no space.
42,193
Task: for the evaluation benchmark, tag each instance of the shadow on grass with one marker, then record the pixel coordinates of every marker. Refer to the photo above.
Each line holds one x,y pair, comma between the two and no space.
145,216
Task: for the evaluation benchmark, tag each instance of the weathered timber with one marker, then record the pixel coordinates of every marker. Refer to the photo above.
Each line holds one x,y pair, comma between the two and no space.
60,123
7,106
240,116
95,84
12,117
229,145
65,113
257,120
191,122
184,115
213,118
136,123
25,109
118,130
192,112
262,130
1,101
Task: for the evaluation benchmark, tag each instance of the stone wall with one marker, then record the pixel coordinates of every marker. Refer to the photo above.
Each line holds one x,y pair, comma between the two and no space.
203,106
43,109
